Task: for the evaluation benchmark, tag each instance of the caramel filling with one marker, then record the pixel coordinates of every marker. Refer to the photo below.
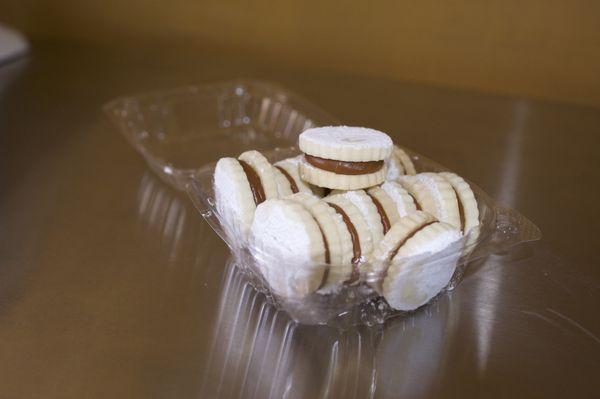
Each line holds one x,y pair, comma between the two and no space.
385,221
408,237
258,192
327,256
355,242
289,178
417,203
344,167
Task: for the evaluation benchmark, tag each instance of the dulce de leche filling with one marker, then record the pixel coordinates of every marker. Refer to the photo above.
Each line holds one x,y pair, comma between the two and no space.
385,221
351,230
344,167
356,252
258,192
408,237
289,178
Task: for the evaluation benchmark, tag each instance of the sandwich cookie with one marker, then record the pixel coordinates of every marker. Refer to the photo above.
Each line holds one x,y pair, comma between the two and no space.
388,213
399,164
342,157
289,247
288,175
467,207
240,185
405,203
467,204
284,188
414,277
362,243
388,247
404,276
364,203
433,194
337,237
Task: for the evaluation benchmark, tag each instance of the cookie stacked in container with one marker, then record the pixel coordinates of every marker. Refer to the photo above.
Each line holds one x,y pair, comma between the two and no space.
350,209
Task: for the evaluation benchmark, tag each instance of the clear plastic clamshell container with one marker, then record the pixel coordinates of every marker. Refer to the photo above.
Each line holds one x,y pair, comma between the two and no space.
171,128
181,130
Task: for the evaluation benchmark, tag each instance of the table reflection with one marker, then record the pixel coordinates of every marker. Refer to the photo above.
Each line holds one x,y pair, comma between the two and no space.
257,351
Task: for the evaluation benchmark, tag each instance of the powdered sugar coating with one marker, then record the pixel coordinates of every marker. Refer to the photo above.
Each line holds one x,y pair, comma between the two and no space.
283,185
290,165
433,238
394,168
233,197
287,244
365,205
413,279
405,203
345,143
444,197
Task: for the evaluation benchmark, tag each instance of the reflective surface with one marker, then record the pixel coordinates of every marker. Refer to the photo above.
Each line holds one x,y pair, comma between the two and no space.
111,285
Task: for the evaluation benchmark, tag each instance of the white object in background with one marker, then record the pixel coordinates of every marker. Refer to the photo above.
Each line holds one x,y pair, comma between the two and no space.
12,44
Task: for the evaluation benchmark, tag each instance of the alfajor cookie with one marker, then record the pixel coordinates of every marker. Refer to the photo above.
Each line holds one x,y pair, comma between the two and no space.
386,249
387,207
337,237
259,164
240,185
434,194
289,247
369,211
362,242
342,157
401,273
416,274
399,164
284,188
405,203
288,170
467,204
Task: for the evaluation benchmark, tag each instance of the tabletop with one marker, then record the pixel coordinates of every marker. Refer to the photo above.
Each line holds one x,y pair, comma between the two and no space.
112,285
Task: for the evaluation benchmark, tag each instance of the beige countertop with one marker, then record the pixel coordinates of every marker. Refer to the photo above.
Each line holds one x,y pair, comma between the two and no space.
111,285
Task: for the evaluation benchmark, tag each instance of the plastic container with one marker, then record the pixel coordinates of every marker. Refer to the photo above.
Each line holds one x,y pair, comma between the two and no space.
167,128
170,128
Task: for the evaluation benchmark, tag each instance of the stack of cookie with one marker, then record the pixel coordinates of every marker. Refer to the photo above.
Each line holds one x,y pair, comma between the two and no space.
350,208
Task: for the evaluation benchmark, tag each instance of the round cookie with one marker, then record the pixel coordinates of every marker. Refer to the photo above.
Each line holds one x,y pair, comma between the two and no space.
263,169
342,157
468,210
289,168
405,203
240,185
415,276
394,168
404,159
337,238
346,143
234,198
284,188
364,203
289,248
362,243
399,163
467,207
332,180
434,194
387,208
398,234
